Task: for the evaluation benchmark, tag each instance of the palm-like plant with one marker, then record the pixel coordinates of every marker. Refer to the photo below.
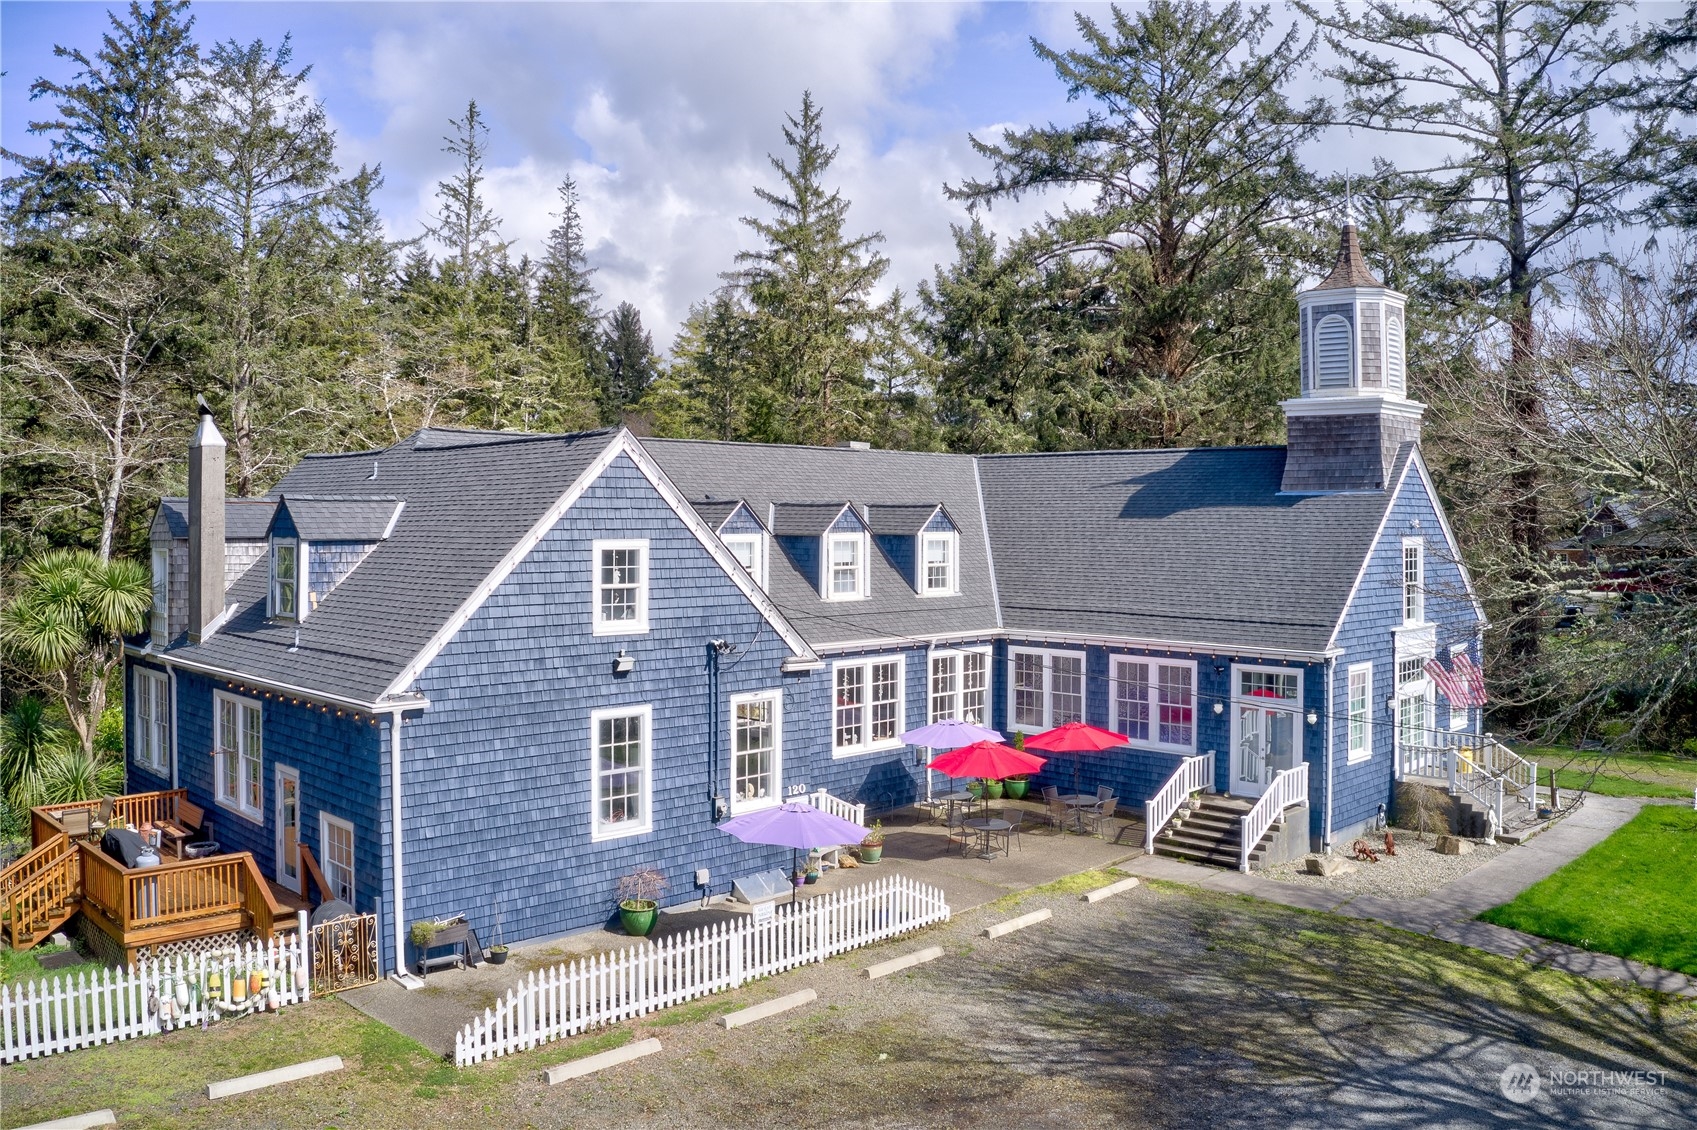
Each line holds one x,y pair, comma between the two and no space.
69,775
28,738
66,626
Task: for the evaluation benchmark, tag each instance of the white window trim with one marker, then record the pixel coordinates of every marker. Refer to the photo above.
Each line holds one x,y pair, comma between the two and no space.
325,823
1048,685
960,674
272,602
863,589
775,796
1155,664
160,621
234,804
921,574
1416,543
157,693
868,662
759,543
622,829
634,627
1357,756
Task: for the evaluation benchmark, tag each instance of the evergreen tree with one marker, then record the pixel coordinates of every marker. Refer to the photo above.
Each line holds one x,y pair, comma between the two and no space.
810,288
630,365
464,223
1174,276
565,293
709,393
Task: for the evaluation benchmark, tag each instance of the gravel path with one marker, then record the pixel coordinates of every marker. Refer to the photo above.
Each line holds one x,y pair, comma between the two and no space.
1415,870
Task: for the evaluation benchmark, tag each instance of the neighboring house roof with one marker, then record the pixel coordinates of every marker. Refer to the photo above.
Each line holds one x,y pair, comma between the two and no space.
470,498
245,519
1194,546
1351,267
784,478
347,518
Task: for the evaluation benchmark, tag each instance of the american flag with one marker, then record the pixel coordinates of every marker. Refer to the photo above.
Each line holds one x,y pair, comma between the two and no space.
1474,676
1452,683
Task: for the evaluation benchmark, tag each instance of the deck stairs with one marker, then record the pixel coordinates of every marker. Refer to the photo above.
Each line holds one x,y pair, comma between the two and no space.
1212,833
40,893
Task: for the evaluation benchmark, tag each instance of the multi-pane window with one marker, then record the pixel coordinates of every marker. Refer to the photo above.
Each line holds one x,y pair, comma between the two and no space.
1360,707
1175,702
284,579
1131,699
1048,689
621,587
152,720
161,595
1413,581
847,566
754,751
960,682
868,705
620,737
239,754
746,549
338,836
938,564
1155,702
1414,711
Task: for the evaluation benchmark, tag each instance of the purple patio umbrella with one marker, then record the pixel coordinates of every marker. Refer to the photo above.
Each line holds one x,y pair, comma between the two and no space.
947,733
794,825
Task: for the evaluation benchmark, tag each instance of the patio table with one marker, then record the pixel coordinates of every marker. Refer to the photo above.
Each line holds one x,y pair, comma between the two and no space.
1076,804
986,828
959,798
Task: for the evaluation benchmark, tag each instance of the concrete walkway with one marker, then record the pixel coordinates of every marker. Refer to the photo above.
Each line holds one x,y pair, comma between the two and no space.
1450,912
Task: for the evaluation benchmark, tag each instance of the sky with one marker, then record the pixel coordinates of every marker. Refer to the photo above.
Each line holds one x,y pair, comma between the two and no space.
664,114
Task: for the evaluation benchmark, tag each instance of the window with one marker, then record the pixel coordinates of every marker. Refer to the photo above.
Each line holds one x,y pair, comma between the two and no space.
756,781
937,565
746,548
960,682
152,721
1332,347
239,755
1393,351
846,575
1155,702
620,738
1413,580
1048,689
868,705
337,836
621,587
1360,711
284,579
161,595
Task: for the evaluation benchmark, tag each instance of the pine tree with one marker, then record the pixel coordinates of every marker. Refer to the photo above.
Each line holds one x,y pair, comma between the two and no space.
630,365
565,293
810,288
464,223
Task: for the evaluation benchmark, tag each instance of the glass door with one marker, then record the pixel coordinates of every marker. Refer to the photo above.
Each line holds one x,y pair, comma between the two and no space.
289,828
1266,730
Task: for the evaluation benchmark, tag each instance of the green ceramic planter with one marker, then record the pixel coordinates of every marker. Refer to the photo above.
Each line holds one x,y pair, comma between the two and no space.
638,917
1016,789
992,790
871,853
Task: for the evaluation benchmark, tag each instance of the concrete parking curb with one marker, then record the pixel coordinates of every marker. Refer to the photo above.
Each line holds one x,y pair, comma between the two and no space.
224,1088
600,1061
76,1121
1108,891
770,1008
1020,923
906,961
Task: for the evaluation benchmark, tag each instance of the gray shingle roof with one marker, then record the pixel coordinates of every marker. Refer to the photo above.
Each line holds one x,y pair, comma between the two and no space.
340,519
899,520
804,519
1351,268
764,474
467,504
1194,546
245,519
714,511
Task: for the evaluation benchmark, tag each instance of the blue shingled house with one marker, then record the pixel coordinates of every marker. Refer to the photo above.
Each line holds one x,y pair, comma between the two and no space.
489,672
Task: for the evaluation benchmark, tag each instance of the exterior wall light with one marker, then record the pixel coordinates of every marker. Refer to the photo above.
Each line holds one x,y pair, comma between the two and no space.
1313,717
624,664
1219,708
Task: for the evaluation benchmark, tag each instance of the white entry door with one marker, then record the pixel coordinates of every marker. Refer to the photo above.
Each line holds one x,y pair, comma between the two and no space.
289,828
1266,726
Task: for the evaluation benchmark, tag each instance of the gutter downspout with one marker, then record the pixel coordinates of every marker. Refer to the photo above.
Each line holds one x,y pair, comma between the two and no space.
172,673
400,928
1331,746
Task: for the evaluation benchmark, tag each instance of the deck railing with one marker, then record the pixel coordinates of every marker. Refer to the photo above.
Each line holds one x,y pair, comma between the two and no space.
1289,786
134,809
38,901
25,868
836,806
1194,774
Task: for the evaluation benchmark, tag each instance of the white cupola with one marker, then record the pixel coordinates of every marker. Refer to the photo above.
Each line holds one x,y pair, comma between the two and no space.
1353,415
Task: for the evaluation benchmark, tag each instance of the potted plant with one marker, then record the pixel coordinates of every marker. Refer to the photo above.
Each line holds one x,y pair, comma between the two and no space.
813,867
498,952
1017,784
872,844
423,933
992,789
976,788
639,900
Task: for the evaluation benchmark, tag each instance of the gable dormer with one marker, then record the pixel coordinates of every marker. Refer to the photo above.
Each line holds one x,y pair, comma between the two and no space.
922,542
315,542
742,531
246,521
829,544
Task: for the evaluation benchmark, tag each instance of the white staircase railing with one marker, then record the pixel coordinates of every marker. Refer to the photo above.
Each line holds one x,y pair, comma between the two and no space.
1289,786
836,806
1193,774
1482,767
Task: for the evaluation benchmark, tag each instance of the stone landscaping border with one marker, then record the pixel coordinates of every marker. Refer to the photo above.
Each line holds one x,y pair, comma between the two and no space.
242,1084
590,1064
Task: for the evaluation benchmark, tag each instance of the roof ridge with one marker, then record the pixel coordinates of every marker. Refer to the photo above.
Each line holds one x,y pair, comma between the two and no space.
1131,451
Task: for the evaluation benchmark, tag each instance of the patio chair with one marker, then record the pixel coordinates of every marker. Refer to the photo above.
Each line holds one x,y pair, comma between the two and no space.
1016,822
1101,814
959,833
1057,808
78,823
104,817
1103,792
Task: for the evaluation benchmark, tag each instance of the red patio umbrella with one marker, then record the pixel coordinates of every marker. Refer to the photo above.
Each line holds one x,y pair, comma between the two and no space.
986,759
1076,737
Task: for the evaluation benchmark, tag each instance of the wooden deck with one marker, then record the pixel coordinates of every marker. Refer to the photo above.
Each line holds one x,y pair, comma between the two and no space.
137,907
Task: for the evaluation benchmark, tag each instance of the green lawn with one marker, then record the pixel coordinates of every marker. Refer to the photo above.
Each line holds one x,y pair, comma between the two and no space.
1618,774
1633,895
16,968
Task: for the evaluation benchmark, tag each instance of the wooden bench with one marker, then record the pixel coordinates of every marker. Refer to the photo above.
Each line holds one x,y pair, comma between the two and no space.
190,818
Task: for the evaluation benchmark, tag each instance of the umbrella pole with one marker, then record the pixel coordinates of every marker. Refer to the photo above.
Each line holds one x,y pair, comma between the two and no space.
795,891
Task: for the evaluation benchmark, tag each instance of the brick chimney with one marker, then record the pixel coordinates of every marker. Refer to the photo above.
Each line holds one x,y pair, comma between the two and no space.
206,525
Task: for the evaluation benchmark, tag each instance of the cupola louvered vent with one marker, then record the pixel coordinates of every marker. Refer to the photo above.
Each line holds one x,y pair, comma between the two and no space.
1331,353
1393,351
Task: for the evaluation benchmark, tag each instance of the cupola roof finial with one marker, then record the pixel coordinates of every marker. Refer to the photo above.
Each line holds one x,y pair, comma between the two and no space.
1351,268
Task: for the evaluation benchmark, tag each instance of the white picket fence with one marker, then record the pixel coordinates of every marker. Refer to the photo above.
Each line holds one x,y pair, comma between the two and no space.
606,988
65,1013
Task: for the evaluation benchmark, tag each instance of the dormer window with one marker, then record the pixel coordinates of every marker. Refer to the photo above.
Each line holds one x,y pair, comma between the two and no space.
846,566
161,595
285,580
938,570
750,552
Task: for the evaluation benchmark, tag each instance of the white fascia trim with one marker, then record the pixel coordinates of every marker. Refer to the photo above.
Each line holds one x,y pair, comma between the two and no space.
406,702
1419,461
840,648
989,557
393,518
1367,557
1344,402
1174,647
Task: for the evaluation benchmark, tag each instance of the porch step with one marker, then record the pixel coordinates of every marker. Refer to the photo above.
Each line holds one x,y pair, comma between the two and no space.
45,928
1212,834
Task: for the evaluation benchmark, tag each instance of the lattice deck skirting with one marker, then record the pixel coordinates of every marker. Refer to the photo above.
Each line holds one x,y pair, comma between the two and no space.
194,947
